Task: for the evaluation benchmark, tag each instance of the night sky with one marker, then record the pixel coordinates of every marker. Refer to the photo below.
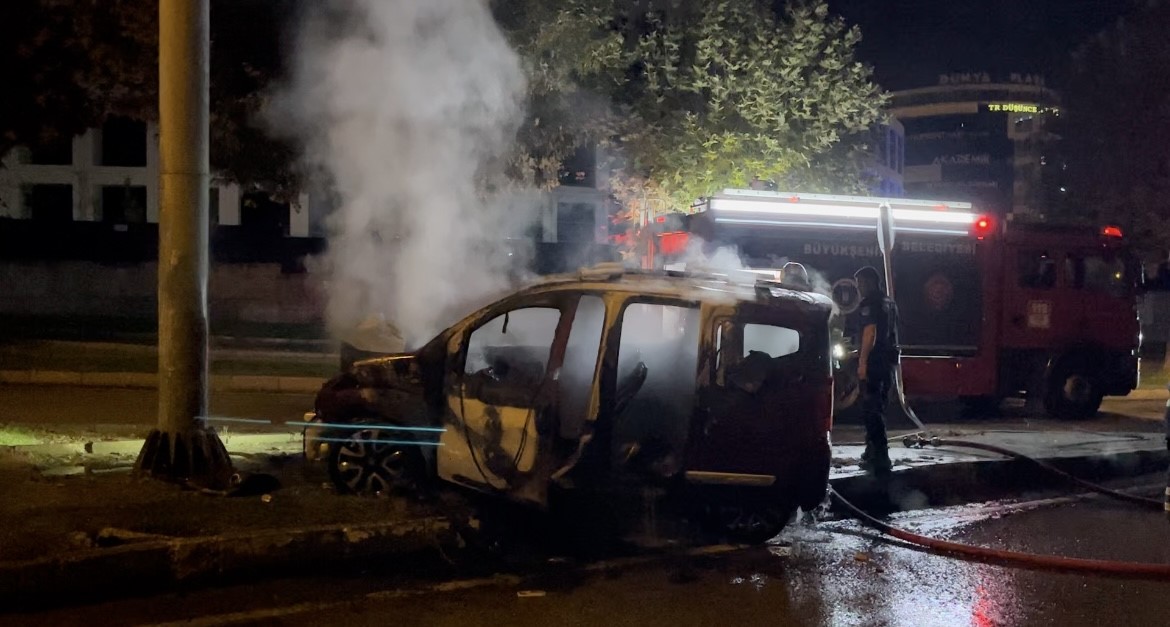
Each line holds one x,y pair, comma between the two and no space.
910,42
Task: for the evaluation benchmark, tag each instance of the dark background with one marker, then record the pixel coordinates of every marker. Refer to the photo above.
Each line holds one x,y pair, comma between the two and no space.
910,42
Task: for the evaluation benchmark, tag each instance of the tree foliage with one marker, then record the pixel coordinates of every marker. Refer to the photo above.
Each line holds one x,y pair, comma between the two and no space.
69,65
683,98
1118,126
699,96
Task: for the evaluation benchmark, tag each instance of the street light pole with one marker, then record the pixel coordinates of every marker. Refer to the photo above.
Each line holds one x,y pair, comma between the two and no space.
183,448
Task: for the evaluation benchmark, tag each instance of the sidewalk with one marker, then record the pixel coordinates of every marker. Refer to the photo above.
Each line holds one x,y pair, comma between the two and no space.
76,522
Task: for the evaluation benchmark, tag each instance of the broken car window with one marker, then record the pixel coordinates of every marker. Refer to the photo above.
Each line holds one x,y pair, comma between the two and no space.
657,365
771,340
748,352
576,377
519,355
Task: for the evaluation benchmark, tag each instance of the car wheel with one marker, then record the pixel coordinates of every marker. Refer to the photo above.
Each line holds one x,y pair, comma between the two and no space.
752,523
375,462
1074,393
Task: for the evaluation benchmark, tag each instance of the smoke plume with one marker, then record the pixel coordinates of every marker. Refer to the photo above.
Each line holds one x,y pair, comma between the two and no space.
704,258
406,110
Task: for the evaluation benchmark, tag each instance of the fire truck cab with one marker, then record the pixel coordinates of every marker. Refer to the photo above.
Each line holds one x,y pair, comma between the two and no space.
989,307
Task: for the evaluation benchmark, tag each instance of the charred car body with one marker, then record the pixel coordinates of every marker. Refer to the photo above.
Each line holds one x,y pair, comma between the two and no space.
607,381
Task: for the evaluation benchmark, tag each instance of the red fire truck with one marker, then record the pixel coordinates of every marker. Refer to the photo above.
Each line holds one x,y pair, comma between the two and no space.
989,307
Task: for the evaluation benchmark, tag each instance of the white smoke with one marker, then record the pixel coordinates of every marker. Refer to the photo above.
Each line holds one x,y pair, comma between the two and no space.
727,260
408,109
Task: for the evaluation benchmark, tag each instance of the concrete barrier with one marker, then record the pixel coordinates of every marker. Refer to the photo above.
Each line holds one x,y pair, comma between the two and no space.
154,565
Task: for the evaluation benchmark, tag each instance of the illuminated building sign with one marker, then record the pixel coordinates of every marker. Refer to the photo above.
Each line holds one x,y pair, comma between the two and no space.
986,78
1019,107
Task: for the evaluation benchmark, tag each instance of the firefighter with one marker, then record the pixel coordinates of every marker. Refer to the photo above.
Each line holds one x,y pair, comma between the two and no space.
1166,418
875,366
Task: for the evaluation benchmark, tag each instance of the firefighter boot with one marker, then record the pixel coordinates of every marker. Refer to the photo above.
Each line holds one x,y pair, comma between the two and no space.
876,459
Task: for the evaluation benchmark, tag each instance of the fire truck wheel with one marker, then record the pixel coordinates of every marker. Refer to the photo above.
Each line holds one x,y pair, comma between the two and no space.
1074,392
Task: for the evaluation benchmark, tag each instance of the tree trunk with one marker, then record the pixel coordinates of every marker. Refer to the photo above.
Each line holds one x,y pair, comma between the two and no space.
183,447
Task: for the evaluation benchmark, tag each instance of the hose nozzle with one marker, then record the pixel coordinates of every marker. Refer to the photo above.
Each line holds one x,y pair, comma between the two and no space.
914,440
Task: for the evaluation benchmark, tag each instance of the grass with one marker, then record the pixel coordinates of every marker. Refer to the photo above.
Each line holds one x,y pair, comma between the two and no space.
17,436
1155,379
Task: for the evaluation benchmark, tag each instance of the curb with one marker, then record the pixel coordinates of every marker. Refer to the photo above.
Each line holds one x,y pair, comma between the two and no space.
1157,394
147,380
155,565
964,482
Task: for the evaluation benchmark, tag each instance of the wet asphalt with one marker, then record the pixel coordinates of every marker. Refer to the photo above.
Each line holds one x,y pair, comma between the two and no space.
836,573
831,573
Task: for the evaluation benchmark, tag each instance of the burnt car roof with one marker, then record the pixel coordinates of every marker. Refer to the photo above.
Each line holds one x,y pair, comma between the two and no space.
694,286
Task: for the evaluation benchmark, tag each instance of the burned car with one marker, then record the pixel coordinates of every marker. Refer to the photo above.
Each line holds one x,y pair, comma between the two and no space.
607,381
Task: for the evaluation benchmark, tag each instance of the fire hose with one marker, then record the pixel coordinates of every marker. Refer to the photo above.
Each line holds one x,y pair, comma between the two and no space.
1012,558
1026,560
916,441
1017,558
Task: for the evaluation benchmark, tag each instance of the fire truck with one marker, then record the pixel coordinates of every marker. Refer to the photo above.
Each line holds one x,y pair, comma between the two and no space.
990,307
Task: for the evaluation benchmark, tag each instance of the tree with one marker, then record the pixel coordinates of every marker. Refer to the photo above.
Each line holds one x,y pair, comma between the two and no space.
697,96
1118,126
69,65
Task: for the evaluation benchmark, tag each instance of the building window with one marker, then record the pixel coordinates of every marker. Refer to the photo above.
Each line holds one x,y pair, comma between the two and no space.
123,143
900,158
261,215
48,203
579,169
213,206
56,151
123,204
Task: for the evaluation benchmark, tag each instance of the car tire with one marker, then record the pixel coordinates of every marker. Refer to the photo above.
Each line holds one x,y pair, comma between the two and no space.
1073,392
750,521
375,462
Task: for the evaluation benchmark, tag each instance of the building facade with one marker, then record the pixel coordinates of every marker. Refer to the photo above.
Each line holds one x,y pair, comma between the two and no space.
989,140
110,175
887,161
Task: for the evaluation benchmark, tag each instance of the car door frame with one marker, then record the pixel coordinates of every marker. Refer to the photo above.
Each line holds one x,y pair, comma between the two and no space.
529,486
713,459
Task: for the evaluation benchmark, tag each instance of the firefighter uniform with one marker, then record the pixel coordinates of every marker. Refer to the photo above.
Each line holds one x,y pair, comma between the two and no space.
878,310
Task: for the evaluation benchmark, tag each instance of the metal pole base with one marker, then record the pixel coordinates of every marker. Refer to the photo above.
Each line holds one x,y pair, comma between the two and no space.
194,457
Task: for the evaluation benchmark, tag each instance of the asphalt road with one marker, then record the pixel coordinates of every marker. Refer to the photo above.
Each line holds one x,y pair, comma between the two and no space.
834,574
49,406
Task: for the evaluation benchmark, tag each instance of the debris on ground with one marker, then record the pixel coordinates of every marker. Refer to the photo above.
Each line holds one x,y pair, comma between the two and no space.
780,551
